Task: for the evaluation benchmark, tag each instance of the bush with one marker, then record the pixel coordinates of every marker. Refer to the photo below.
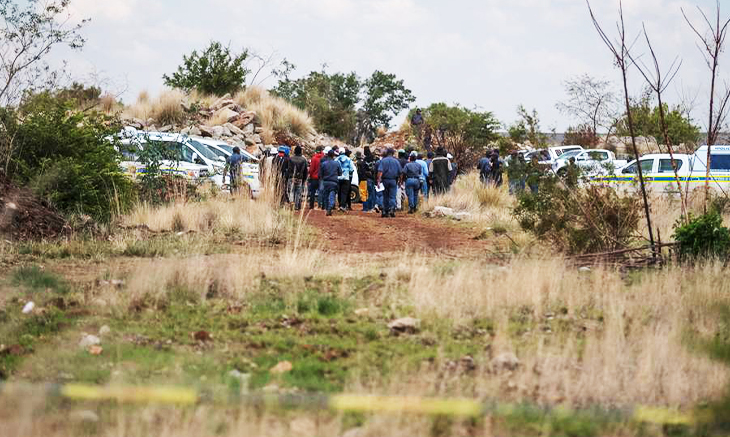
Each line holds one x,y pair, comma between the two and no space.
702,237
590,219
214,71
62,155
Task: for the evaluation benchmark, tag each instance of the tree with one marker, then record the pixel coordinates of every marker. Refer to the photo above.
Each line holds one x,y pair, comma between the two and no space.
214,71
463,132
330,99
647,119
28,35
591,101
384,97
527,128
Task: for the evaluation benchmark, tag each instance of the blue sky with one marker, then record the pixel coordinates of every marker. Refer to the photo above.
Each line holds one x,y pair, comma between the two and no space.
490,54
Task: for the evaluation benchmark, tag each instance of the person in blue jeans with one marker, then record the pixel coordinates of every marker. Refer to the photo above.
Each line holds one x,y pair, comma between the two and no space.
412,173
329,174
389,171
424,175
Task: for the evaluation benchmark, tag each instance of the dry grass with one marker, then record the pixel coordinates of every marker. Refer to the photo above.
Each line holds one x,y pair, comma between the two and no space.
274,113
166,109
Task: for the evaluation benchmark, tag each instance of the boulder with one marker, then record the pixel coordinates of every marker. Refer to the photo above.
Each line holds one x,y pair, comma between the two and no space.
166,128
244,119
222,103
406,325
259,130
185,131
217,131
233,129
250,129
205,131
227,114
249,141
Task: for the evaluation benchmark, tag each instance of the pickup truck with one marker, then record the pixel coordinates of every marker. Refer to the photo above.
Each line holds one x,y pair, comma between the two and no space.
591,162
551,154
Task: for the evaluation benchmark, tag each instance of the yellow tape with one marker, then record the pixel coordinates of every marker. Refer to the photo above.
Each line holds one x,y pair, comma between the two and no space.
405,404
156,395
662,416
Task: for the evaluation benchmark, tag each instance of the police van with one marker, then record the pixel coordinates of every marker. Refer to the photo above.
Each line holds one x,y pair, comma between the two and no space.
659,171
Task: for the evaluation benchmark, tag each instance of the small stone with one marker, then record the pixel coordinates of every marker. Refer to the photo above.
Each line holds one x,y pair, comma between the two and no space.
88,341
96,350
28,308
442,211
584,269
406,325
104,330
459,216
281,368
117,282
11,205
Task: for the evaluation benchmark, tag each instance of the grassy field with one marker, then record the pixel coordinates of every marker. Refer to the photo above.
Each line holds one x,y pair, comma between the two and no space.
186,294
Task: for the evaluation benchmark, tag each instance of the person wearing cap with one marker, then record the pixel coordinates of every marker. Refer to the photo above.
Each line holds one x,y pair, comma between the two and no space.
454,170
298,171
313,181
440,169
344,180
412,173
389,171
329,174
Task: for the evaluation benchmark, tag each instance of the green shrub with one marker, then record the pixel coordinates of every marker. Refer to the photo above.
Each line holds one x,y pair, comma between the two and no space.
216,70
579,220
62,155
703,236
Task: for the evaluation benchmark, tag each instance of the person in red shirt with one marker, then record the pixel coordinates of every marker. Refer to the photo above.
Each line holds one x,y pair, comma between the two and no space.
313,184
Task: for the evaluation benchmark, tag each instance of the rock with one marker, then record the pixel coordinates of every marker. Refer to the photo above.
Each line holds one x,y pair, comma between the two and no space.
166,128
282,367
233,129
505,361
222,102
29,307
104,330
152,128
88,341
406,325
217,131
227,114
584,269
96,350
149,122
227,132
257,139
249,141
117,282
11,205
461,216
362,312
245,119
201,336
136,123
250,129
85,416
205,131
442,211
185,131
195,131
259,130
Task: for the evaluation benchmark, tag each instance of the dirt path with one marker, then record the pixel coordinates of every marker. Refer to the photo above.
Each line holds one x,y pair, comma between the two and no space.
358,232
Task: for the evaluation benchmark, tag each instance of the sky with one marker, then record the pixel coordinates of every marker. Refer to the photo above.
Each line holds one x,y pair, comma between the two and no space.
492,55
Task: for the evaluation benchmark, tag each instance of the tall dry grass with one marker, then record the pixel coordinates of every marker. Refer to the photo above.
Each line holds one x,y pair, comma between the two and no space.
165,109
274,113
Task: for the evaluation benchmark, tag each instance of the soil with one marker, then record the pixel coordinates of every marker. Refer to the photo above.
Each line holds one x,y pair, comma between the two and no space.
24,216
358,232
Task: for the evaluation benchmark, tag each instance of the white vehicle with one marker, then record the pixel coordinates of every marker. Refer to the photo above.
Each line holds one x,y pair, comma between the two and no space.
591,162
249,168
131,145
691,169
551,154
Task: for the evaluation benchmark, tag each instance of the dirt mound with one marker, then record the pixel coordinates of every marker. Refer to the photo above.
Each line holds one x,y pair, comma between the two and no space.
23,216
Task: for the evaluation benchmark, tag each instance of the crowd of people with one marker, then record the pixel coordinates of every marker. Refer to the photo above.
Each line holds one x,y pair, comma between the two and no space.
390,179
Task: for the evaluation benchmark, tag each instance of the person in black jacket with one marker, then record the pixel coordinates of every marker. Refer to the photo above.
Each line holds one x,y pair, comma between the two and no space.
298,170
440,170
280,171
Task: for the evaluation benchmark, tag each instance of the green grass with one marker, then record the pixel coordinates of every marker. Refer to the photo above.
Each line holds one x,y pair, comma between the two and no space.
34,279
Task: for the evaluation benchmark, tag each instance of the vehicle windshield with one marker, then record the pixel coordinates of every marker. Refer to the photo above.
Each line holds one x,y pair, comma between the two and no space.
220,152
203,150
646,167
562,152
568,155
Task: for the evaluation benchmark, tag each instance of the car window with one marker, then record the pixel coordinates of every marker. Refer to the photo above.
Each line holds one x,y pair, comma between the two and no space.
203,150
665,165
720,162
560,152
646,167
218,152
597,155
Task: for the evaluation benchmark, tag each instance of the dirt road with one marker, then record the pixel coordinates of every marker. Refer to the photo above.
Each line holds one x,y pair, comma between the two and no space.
358,232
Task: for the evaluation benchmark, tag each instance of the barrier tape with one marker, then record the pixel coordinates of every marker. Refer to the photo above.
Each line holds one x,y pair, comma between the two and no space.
454,407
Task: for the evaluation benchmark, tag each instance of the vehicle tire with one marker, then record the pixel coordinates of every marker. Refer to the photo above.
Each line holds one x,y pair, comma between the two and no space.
562,172
354,194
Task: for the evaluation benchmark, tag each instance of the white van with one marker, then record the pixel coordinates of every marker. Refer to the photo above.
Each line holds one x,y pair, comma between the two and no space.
131,146
551,154
250,167
691,169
